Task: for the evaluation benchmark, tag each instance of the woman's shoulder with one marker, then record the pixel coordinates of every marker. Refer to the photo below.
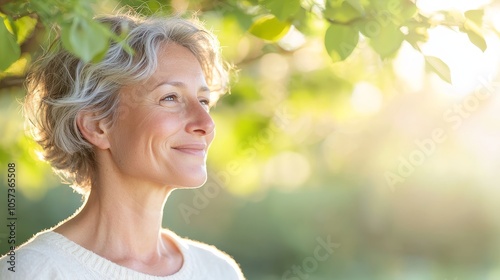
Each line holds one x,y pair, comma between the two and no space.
208,252
45,256
207,257
31,260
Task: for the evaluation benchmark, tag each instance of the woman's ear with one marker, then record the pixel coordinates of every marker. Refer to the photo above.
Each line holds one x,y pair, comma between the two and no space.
94,131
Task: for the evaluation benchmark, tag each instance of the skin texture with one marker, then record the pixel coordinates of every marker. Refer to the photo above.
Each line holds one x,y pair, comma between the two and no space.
158,143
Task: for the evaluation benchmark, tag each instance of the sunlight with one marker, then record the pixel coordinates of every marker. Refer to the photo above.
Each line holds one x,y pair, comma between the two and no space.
274,66
431,6
292,40
287,170
492,16
310,57
366,98
466,70
409,65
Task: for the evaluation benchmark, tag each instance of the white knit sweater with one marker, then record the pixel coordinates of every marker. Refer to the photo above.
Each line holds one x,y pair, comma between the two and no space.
50,255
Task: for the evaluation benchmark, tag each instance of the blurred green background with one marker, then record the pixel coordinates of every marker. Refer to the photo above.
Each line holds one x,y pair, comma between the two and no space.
377,153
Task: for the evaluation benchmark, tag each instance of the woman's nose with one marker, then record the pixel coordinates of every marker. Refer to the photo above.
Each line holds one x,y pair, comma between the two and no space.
200,121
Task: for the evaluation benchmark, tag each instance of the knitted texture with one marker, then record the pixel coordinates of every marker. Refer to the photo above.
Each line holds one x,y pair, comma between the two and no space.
50,255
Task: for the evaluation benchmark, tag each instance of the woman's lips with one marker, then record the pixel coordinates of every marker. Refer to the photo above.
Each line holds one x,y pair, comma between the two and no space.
192,149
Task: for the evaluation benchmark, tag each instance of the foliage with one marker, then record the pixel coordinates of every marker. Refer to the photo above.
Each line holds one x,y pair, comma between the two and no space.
386,24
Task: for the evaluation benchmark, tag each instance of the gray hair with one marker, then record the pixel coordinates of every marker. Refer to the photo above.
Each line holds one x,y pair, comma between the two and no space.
60,85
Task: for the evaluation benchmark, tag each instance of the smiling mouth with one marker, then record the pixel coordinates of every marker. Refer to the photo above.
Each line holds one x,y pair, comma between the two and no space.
192,149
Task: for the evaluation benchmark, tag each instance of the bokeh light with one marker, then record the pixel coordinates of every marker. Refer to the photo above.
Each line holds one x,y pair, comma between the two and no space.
380,155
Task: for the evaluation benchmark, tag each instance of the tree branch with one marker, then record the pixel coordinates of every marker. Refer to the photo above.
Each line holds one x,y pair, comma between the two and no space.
3,2
10,82
30,14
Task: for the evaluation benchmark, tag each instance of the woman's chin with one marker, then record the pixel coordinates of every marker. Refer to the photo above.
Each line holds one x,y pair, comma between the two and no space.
191,183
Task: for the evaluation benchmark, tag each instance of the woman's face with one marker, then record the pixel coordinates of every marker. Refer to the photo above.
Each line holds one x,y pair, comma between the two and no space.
163,128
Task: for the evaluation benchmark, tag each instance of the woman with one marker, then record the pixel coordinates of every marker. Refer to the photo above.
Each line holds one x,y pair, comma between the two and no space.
125,132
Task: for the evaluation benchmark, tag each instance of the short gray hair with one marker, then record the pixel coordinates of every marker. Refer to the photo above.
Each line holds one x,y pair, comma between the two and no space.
60,85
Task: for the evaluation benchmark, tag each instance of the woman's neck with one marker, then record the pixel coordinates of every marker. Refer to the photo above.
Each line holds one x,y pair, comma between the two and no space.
122,223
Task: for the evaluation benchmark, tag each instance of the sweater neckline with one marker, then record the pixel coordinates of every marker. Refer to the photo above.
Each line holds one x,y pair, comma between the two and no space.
105,267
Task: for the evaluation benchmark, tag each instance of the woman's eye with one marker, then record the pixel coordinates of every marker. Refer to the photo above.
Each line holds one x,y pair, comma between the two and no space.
171,97
205,102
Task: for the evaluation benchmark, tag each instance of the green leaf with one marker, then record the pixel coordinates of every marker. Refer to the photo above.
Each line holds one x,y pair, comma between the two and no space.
154,6
84,38
356,4
437,66
269,28
119,39
342,12
453,16
280,10
475,16
369,27
397,11
340,41
393,7
416,36
9,49
24,27
472,27
409,10
243,19
388,41
476,38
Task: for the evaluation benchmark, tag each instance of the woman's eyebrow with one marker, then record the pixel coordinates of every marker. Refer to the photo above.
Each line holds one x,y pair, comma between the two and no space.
181,85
